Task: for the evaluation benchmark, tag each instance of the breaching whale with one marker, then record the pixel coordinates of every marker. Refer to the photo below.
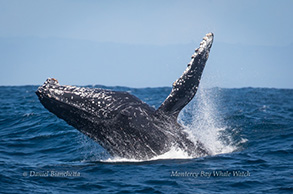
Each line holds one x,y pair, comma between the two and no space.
123,124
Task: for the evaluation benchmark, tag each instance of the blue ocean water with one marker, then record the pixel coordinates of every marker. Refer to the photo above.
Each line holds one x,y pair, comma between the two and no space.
249,131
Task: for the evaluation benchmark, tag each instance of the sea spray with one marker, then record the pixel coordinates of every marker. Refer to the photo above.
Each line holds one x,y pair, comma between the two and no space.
91,150
202,121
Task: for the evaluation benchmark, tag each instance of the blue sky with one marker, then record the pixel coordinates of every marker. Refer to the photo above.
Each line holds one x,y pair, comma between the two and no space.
145,43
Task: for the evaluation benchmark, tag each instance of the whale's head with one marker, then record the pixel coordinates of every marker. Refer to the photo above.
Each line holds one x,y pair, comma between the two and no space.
51,90
79,104
67,102
118,121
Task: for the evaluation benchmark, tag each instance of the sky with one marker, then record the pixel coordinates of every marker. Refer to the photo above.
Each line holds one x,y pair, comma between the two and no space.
145,43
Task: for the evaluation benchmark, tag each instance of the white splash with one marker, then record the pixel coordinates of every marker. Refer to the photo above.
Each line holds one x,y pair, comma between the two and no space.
173,153
205,125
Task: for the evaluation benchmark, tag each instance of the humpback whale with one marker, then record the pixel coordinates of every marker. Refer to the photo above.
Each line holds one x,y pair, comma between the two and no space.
123,124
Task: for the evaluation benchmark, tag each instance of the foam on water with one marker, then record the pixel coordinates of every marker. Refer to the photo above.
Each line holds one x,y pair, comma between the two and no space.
173,153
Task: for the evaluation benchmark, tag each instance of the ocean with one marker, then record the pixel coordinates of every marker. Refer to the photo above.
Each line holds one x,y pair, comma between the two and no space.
248,130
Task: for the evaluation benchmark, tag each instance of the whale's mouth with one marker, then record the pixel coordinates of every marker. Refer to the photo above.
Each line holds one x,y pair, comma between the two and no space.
64,102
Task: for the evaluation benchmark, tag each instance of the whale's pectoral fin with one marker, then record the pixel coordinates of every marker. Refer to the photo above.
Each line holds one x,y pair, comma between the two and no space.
186,86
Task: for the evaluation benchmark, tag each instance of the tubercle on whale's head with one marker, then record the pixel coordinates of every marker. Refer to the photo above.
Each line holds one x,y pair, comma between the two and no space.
61,99
46,90
56,98
52,90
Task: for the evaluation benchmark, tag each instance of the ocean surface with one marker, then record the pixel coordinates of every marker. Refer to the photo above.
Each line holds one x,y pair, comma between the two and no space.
248,130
